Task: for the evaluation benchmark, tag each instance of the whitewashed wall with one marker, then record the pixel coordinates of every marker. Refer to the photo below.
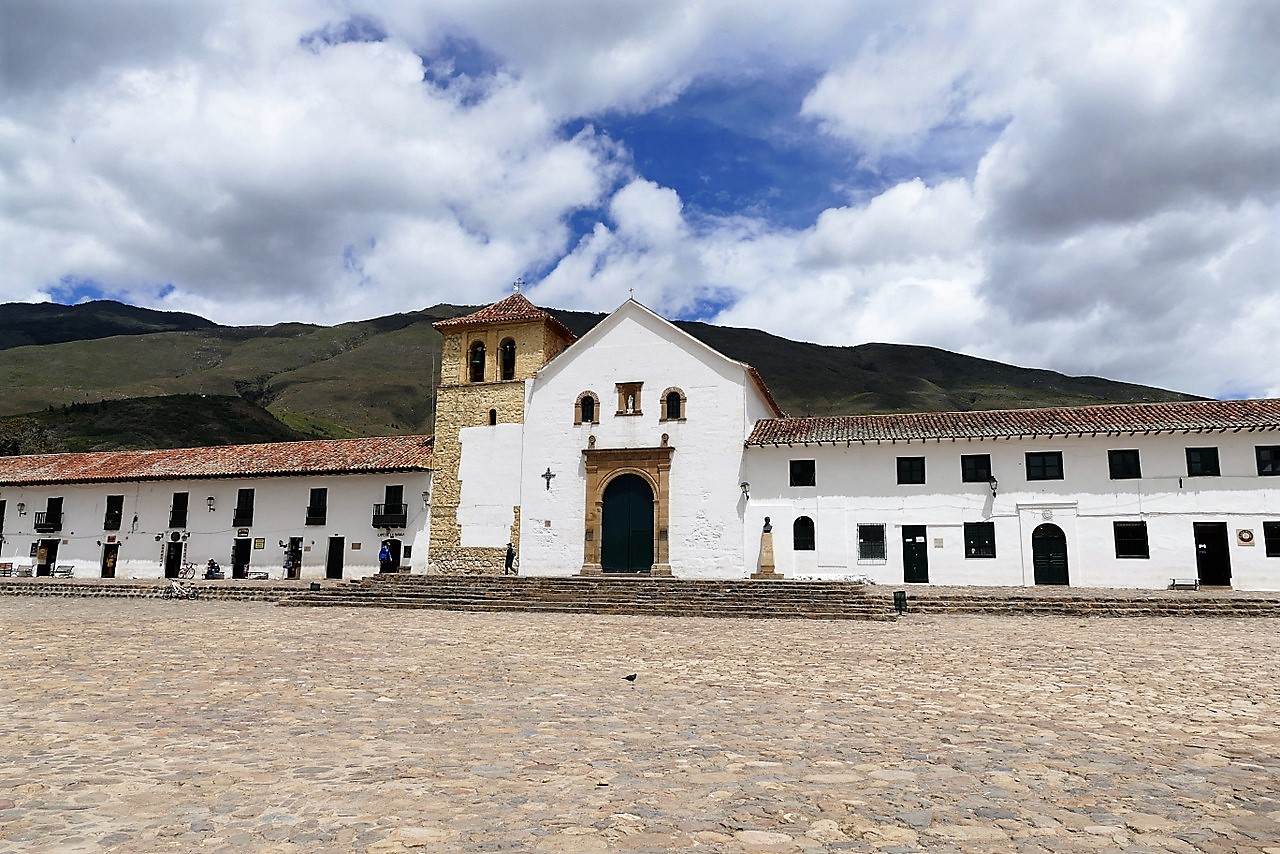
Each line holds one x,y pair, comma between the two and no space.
279,513
705,533
490,488
858,484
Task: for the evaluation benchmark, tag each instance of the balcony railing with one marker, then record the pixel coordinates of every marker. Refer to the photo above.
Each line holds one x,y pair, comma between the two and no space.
390,515
177,518
242,517
47,523
317,515
111,521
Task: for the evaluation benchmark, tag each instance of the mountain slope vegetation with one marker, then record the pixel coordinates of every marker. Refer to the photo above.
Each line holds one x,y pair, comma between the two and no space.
377,377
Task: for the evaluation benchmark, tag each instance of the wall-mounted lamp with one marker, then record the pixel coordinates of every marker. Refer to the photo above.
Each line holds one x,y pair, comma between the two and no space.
746,489
426,499
994,484
210,502
22,508
159,537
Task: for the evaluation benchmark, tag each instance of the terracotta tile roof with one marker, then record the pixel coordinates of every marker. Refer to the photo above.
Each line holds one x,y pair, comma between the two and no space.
764,390
514,309
1114,419
333,456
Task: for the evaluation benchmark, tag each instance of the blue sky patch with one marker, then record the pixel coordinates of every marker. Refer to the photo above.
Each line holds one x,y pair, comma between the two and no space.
73,290
357,28
462,67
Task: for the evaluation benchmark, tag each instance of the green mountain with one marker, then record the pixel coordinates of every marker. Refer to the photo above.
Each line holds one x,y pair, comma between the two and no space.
377,377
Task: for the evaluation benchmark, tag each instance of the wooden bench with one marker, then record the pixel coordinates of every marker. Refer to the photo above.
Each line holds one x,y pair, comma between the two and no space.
6,570
1184,584
63,571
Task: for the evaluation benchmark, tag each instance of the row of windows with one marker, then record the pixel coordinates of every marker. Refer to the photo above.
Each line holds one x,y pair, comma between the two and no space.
1123,464
390,512
673,404
476,361
980,539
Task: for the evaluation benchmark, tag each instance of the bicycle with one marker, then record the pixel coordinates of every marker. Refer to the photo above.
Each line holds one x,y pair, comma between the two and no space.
188,571
178,590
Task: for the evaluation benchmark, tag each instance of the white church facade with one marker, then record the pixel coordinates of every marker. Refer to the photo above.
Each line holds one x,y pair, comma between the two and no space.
638,449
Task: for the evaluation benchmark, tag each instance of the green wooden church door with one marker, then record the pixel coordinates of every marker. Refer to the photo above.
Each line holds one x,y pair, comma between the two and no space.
626,543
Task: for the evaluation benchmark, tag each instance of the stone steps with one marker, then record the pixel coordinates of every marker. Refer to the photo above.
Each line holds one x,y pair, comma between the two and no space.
651,596
147,589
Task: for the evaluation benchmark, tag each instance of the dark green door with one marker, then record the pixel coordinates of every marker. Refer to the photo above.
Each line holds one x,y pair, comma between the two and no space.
1049,554
627,537
915,555
1213,557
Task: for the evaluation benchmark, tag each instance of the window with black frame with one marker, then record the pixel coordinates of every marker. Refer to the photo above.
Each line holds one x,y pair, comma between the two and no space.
1044,465
871,544
979,539
1203,462
1268,460
1124,464
975,468
910,469
803,473
1271,537
1131,539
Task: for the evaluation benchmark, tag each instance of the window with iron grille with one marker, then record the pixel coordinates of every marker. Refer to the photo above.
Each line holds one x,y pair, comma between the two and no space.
1044,465
1131,539
871,543
910,469
979,539
1124,464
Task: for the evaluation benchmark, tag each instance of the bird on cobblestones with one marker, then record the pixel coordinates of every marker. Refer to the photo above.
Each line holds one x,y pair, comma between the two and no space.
631,677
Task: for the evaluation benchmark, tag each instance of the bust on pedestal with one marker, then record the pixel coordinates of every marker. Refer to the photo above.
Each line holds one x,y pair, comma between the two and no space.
765,563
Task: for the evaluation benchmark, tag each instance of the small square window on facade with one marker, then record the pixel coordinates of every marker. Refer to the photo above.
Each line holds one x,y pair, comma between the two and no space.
1271,537
910,469
1044,465
1268,460
804,473
871,544
1202,462
629,398
1131,539
1124,465
975,468
979,539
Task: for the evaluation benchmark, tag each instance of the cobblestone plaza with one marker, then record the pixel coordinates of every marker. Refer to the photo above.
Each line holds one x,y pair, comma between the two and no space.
149,725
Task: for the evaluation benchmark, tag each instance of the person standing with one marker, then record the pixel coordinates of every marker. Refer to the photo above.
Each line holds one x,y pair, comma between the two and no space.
510,566
384,559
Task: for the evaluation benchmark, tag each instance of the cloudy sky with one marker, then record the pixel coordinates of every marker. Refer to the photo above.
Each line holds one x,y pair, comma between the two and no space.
1091,187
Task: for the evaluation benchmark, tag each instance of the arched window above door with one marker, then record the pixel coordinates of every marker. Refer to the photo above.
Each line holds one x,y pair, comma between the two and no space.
673,405
586,410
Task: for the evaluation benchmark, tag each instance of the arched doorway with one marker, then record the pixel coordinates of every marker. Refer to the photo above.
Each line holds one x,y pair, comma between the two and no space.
1049,554
626,543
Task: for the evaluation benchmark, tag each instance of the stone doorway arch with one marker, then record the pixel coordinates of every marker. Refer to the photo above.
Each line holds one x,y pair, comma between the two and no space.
606,465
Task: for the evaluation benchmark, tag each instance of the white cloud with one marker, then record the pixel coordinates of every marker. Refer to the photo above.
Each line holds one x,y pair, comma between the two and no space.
1121,215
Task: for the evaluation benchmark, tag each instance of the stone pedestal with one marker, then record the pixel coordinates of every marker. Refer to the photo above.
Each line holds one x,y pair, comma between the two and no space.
765,563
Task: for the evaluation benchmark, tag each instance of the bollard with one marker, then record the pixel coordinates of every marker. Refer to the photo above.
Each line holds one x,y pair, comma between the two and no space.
900,601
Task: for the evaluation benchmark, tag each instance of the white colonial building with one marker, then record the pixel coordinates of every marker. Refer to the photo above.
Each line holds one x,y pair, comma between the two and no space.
318,509
639,449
